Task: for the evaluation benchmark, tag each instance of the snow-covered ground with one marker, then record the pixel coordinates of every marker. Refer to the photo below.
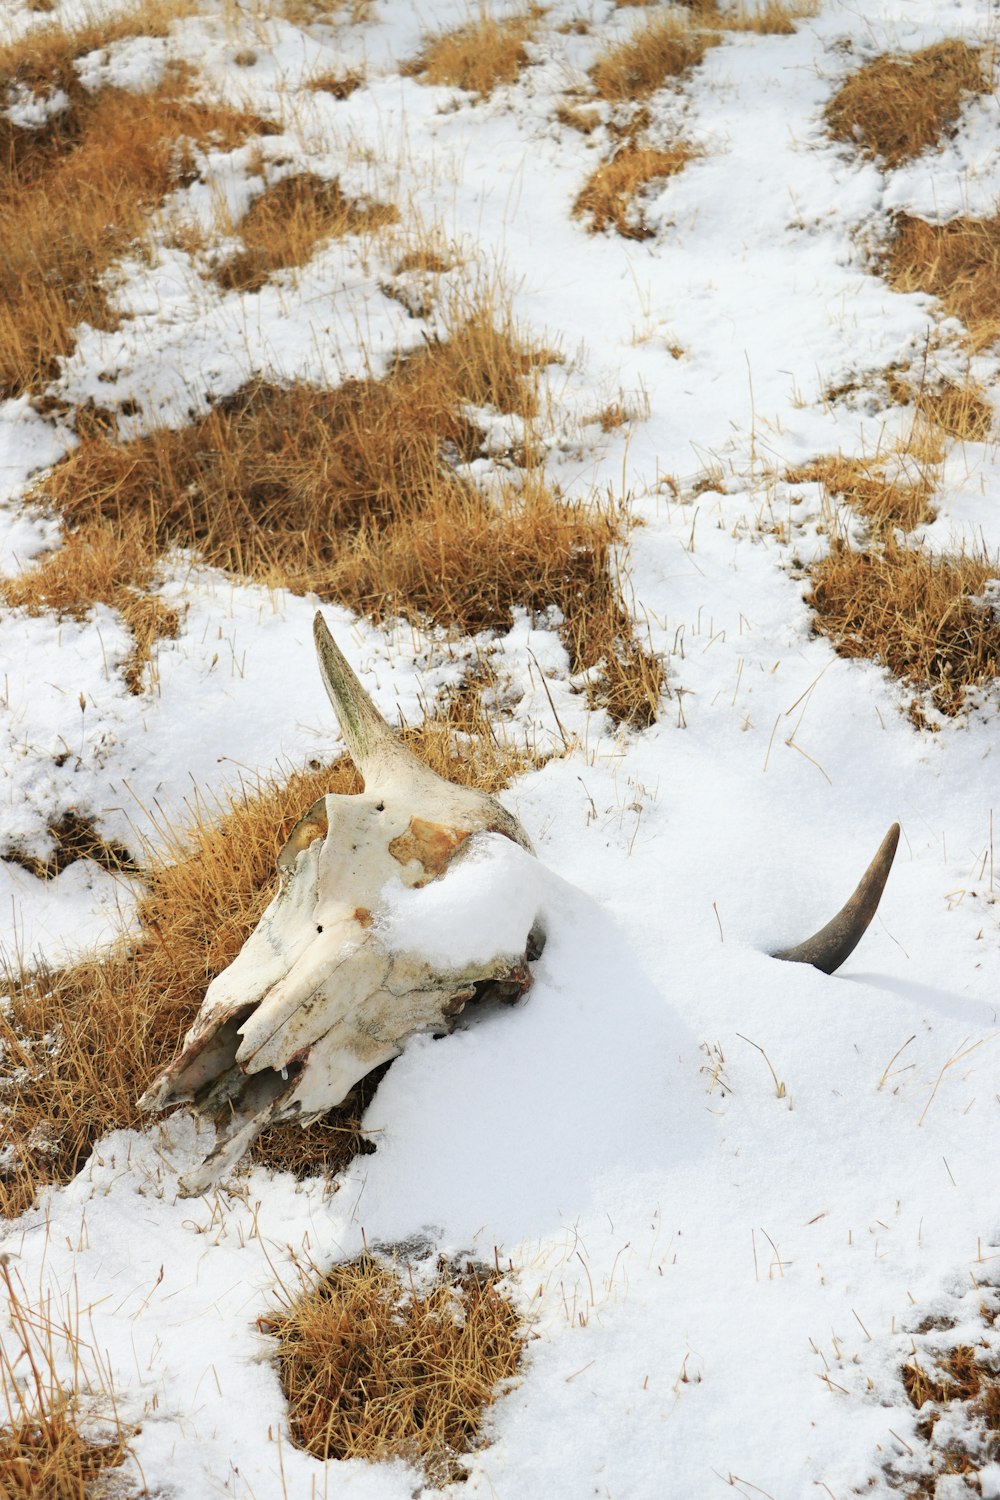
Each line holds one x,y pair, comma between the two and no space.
723,1277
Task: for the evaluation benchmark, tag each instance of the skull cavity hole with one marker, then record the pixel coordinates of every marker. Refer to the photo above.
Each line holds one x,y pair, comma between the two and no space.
379,1361
327,1146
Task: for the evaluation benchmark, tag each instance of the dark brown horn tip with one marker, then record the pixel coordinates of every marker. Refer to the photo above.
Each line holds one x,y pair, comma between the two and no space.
828,948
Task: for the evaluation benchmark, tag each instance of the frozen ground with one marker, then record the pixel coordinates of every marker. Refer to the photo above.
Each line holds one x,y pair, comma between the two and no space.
723,1281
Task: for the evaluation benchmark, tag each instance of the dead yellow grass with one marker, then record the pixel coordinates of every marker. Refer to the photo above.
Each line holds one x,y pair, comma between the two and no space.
101,562
286,222
578,117
425,258
80,1044
885,499
352,493
896,107
59,1433
959,262
43,58
376,1367
913,612
612,193
340,85
306,12
479,56
663,48
960,1382
961,411
73,195
72,837
772,18
958,409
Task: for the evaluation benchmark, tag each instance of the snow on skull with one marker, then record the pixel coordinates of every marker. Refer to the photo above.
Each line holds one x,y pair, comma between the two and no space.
349,961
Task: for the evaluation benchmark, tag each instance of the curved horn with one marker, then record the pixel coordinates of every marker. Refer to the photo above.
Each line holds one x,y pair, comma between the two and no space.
827,949
372,744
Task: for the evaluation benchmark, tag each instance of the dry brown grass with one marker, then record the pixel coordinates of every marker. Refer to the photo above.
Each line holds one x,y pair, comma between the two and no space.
425,258
663,48
959,1378
479,56
81,1043
43,57
772,18
959,262
376,1367
896,107
59,1432
884,499
72,837
913,612
285,223
101,562
961,411
306,12
965,1375
612,193
583,118
958,409
340,85
75,193
352,493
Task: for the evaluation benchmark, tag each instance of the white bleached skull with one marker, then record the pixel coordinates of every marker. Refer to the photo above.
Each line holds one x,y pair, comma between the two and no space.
323,990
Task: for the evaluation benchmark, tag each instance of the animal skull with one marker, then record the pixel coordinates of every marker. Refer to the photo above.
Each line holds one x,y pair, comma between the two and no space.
320,993
329,985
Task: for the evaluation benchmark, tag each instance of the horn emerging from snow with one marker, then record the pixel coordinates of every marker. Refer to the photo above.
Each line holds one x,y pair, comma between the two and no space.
831,945
349,961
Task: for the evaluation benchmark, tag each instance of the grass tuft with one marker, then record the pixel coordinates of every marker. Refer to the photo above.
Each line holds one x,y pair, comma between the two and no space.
884,499
896,107
354,494
307,12
585,119
961,411
479,56
59,1432
665,47
610,193
959,262
43,57
73,837
962,1383
772,18
921,615
377,1368
101,563
285,223
95,169
340,85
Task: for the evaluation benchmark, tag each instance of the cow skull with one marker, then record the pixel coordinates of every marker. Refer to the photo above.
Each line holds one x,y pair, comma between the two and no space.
330,983
323,991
